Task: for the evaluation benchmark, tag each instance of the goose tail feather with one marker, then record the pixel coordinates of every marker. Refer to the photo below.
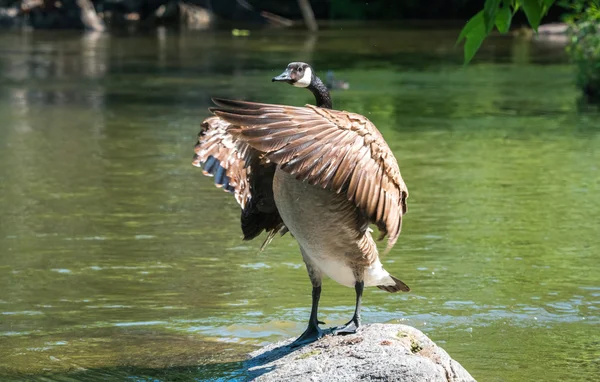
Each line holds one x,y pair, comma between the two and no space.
399,286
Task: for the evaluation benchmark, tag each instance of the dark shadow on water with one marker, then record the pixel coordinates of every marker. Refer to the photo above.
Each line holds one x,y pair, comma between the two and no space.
217,372
160,358
214,372
587,104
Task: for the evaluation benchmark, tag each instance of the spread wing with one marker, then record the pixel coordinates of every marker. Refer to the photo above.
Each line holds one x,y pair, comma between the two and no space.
334,149
239,169
225,158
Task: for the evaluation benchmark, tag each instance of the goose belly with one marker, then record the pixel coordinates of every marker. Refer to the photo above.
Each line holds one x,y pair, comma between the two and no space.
335,269
325,225
342,273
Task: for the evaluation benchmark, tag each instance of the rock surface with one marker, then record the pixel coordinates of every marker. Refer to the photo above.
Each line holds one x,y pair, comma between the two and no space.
378,352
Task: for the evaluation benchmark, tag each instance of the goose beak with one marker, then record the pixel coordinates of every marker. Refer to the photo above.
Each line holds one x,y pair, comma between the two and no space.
283,77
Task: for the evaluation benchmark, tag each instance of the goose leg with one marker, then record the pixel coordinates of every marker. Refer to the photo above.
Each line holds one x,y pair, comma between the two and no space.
352,325
312,332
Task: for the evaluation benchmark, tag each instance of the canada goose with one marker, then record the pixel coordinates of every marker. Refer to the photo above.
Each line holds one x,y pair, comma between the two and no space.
322,174
332,83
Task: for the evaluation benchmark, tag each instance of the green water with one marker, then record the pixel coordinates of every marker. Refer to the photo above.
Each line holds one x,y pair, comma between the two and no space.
119,259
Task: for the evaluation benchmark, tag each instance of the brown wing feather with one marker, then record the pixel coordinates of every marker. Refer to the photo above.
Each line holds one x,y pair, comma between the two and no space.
239,169
225,158
335,149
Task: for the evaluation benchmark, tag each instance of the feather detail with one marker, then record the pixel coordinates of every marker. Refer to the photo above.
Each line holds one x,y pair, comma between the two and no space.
239,169
224,158
333,149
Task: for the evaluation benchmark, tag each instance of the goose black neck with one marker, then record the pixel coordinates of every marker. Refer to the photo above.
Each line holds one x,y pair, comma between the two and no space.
321,93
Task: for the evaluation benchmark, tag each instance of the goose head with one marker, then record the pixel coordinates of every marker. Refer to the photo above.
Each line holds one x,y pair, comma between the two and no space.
299,74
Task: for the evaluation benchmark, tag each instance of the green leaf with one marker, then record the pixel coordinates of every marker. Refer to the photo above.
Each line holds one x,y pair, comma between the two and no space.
489,14
515,6
503,19
534,13
472,45
474,36
475,22
548,3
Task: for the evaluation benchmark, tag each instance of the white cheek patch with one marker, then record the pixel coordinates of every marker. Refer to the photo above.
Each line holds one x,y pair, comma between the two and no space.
305,80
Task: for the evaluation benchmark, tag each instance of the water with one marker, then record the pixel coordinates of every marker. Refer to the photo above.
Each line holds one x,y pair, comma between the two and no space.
119,259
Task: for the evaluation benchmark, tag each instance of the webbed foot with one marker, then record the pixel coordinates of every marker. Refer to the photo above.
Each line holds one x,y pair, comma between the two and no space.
311,334
349,328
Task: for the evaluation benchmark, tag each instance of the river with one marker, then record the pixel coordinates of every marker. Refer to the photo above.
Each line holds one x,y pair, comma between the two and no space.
118,259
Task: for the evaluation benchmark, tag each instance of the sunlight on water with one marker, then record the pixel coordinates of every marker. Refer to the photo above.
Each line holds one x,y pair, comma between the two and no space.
119,259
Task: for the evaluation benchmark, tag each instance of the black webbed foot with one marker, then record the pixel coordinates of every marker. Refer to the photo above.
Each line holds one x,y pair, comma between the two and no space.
349,328
311,334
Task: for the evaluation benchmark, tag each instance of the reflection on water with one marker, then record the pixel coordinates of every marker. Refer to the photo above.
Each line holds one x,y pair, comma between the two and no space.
117,258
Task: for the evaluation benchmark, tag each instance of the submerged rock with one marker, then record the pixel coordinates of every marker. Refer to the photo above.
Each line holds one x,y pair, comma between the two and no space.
378,352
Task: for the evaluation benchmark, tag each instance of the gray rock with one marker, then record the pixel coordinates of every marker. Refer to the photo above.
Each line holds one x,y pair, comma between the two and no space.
378,352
